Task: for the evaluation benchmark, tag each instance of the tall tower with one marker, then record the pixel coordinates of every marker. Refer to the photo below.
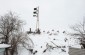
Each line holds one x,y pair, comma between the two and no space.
36,14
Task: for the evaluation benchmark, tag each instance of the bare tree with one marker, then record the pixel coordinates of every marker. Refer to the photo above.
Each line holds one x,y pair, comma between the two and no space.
11,31
79,30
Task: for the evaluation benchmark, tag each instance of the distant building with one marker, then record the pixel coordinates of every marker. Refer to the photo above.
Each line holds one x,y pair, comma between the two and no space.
76,51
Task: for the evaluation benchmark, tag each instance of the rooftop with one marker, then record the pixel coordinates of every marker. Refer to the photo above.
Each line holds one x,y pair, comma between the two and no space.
4,45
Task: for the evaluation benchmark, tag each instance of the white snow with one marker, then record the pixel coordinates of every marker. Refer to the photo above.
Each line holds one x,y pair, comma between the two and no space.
44,40
4,45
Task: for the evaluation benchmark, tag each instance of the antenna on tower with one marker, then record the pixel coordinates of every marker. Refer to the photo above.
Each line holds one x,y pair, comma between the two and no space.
36,14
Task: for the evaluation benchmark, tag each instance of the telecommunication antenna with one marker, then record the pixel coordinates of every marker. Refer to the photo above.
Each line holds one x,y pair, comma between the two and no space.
36,14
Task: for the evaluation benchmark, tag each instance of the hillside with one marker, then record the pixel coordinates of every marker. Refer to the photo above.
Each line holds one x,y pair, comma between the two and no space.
50,43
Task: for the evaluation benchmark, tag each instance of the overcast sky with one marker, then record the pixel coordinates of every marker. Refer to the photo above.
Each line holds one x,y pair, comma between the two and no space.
54,14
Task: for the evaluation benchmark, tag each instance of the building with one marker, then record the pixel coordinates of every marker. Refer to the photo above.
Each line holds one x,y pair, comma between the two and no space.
76,51
2,48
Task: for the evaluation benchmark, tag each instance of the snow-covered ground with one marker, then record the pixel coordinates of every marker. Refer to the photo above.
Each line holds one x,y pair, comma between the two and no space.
51,43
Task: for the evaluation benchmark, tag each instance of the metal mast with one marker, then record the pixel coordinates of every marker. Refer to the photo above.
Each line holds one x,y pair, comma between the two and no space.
36,14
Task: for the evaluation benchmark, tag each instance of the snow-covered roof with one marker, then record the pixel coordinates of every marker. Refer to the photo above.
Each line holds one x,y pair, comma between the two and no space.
4,45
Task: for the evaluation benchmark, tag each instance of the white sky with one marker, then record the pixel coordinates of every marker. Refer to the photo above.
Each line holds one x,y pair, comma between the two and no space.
57,14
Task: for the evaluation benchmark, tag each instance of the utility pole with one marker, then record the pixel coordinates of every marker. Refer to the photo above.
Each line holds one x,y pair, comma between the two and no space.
36,14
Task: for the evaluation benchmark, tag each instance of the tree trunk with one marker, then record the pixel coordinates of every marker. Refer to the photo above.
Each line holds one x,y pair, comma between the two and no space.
12,52
6,51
